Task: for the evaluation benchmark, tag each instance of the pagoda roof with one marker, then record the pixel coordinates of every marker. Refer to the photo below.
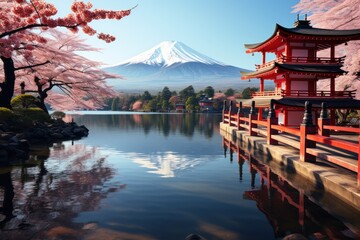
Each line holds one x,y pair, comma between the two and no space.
304,31
326,70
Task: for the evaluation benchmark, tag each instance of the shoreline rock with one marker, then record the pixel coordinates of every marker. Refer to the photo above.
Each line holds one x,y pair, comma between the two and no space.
16,145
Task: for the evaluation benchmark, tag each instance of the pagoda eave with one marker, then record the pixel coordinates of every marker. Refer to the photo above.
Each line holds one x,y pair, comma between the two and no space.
336,37
319,71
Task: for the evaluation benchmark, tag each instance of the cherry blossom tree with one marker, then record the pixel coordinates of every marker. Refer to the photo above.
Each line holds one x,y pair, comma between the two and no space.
338,14
68,80
24,24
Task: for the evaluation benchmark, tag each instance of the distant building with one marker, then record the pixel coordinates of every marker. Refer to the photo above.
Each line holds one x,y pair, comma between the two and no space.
180,107
206,105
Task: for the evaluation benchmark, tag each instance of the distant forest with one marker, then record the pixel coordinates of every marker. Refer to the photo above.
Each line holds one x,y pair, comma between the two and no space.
168,100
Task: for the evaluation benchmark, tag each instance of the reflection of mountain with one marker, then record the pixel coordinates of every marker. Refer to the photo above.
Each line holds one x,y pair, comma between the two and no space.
171,142
167,164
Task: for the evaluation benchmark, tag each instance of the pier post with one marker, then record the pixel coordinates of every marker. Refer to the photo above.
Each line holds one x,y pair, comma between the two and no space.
230,110
239,115
225,147
253,172
252,116
271,120
323,120
307,127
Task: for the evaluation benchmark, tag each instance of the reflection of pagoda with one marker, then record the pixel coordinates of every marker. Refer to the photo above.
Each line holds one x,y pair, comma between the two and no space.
289,211
298,67
286,207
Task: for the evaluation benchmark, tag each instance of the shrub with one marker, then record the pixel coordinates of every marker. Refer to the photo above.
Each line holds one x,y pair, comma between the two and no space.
57,115
33,114
24,101
6,114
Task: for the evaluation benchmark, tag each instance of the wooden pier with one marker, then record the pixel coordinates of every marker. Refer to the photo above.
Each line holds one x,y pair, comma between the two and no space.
326,154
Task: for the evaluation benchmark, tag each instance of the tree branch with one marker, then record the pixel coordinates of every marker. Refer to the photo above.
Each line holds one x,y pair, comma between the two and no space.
31,66
35,25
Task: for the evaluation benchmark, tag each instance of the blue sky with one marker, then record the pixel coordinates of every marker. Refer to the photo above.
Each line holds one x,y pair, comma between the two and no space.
216,28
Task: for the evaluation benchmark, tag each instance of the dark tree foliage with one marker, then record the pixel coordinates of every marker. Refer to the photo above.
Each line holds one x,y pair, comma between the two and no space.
209,91
166,94
229,92
246,93
187,92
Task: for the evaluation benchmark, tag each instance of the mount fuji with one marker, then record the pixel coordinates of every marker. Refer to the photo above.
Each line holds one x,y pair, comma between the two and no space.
175,65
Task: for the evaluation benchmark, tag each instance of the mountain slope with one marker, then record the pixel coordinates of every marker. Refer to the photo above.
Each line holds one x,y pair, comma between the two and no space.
175,65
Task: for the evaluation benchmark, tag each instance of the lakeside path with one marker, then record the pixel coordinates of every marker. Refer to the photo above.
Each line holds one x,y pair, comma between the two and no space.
340,182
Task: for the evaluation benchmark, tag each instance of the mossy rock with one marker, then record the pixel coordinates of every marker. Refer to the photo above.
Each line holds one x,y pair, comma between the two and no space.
24,101
6,114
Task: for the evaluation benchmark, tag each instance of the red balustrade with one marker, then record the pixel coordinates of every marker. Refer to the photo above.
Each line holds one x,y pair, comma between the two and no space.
302,60
306,137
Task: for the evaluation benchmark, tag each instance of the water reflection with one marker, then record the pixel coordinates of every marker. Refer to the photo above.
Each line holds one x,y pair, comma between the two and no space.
290,204
162,181
185,124
53,186
165,144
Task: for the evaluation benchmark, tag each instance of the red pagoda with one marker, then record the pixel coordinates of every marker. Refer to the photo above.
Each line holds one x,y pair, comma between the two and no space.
297,68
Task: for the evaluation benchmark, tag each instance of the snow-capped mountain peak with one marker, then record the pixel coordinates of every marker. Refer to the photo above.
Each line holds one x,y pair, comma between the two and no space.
168,53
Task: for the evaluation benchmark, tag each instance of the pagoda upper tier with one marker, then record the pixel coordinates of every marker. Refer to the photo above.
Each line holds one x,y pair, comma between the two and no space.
296,52
320,38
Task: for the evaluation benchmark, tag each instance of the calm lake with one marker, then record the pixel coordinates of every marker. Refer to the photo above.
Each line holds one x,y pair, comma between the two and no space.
155,177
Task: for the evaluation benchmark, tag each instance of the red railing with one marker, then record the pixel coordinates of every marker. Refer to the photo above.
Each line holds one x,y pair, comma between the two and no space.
329,94
266,94
303,137
306,93
302,60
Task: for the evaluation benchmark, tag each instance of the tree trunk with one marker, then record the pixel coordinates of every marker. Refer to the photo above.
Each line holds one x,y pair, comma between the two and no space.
41,104
7,87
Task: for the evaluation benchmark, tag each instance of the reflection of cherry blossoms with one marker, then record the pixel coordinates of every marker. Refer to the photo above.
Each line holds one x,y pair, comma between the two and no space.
73,180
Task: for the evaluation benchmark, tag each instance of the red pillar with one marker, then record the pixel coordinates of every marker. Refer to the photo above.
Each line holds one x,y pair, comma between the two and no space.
332,53
260,113
332,86
261,85
263,57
